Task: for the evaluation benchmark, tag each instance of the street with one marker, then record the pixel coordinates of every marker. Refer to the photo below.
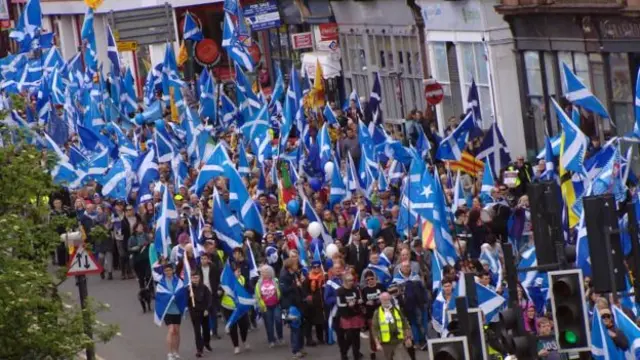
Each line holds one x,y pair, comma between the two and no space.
141,339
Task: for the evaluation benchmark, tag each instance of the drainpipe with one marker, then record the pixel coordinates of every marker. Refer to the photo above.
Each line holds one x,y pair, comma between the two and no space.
422,43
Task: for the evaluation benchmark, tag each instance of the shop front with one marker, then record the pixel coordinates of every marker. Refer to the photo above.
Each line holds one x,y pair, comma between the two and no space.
604,51
467,41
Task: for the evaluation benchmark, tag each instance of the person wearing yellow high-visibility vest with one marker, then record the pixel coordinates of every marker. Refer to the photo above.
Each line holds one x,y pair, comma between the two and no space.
390,328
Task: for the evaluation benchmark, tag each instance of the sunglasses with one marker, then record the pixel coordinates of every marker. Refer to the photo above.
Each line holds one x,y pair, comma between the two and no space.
606,316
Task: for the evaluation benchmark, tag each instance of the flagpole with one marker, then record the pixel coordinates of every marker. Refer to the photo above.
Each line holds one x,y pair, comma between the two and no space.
491,89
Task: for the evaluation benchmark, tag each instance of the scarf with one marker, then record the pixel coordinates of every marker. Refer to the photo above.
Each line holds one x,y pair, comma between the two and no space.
316,279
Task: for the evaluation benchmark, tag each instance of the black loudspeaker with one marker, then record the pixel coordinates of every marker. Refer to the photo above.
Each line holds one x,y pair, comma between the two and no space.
543,210
599,215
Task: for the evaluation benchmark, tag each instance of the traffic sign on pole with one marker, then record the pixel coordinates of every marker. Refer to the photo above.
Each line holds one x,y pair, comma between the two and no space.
83,262
433,91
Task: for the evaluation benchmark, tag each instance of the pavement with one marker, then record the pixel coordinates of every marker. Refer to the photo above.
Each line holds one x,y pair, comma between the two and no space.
141,339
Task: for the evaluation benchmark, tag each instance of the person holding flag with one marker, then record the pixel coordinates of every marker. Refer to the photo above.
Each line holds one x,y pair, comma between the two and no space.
228,304
199,304
171,302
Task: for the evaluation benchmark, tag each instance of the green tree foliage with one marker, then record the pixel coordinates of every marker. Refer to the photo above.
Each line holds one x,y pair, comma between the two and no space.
36,321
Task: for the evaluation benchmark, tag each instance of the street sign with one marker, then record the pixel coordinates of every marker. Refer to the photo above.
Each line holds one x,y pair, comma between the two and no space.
433,92
127,45
83,262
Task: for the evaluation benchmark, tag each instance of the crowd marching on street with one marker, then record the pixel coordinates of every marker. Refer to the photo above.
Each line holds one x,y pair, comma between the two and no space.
238,210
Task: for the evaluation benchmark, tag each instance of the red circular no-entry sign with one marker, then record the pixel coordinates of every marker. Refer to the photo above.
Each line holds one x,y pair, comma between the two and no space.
433,92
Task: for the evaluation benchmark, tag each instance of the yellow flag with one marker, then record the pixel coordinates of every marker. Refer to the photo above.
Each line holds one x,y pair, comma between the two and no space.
317,92
94,4
183,56
175,116
568,191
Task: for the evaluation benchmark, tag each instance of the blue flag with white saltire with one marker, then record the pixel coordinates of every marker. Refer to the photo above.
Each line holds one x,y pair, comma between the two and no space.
98,165
214,167
112,53
490,302
602,345
375,102
575,143
191,30
579,94
439,318
452,146
244,206
226,225
167,212
165,297
488,183
88,37
234,46
115,182
128,99
162,140
338,190
243,163
324,142
630,330
148,174
208,108
495,148
278,89
549,162
244,301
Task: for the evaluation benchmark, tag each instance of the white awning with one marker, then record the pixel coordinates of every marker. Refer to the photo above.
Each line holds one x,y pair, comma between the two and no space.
330,62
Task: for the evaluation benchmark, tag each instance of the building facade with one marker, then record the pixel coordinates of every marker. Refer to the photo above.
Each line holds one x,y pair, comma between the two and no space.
384,37
468,41
598,39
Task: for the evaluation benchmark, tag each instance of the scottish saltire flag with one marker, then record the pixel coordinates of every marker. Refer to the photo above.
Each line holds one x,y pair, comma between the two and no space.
162,140
436,273
443,240
459,198
88,37
128,99
52,145
383,183
630,330
494,264
528,259
43,102
166,213
609,180
191,30
115,182
602,345
375,102
148,174
76,156
58,88
422,145
208,106
473,104
555,146
165,297
29,23
234,46
278,89
329,115
243,164
338,190
353,182
580,95
324,142
488,182
215,166
52,60
583,258
98,165
549,162
575,143
244,206
439,318
226,225
490,302
494,147
451,147
243,300
112,53
396,172
228,110
257,125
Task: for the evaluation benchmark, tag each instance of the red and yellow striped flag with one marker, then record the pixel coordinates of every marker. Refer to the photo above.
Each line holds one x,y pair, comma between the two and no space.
468,164
428,236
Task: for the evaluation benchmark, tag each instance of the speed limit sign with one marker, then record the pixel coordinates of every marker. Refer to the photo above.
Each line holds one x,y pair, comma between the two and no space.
433,91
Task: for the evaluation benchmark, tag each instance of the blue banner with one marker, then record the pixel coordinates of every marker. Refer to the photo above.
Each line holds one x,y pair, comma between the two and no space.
263,15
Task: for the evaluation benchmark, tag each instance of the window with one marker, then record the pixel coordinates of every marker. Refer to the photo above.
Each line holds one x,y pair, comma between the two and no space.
535,94
474,67
622,97
441,74
578,62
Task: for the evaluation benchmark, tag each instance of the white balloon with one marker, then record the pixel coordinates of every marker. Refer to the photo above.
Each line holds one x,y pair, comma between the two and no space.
331,250
314,229
328,170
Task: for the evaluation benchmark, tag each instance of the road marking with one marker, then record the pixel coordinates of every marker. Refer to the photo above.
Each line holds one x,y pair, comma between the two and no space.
83,356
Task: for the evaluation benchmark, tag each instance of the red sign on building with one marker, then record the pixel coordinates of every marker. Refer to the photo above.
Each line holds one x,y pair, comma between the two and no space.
328,32
301,41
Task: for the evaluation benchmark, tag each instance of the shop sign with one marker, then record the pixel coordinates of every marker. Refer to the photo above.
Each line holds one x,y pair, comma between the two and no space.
127,45
614,28
262,15
301,41
328,32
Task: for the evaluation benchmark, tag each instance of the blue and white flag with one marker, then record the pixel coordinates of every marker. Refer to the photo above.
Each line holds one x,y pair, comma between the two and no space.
579,94
234,46
214,166
243,163
451,147
115,182
243,300
128,98
191,30
167,212
439,318
244,206
208,108
602,345
549,162
375,103
630,330
88,37
162,140
494,147
112,53
490,302
338,190
488,182
226,225
575,143
165,297
473,104
278,89
148,174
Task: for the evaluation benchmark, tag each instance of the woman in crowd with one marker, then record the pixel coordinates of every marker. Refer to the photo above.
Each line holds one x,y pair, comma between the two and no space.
171,301
351,312
228,305
267,294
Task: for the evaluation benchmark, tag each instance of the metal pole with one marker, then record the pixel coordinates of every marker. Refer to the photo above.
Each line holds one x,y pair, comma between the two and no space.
81,282
635,247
